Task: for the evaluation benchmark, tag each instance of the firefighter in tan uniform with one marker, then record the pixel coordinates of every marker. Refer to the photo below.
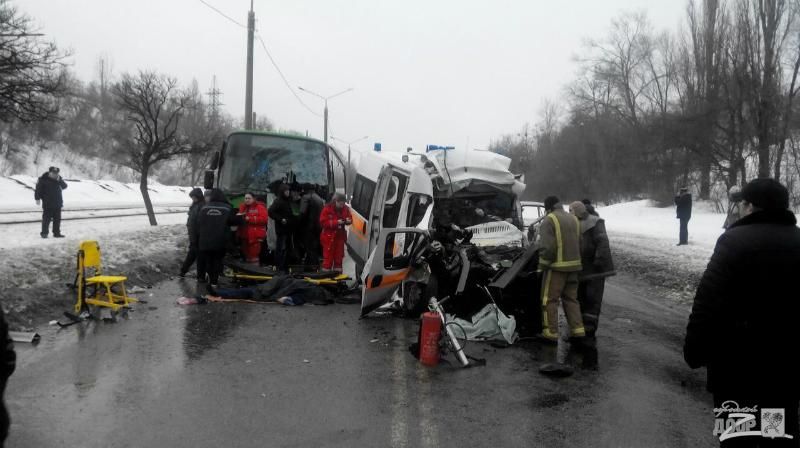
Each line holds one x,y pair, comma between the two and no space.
560,260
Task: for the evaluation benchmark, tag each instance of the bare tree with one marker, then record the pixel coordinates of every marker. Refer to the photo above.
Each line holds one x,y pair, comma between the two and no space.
32,72
153,106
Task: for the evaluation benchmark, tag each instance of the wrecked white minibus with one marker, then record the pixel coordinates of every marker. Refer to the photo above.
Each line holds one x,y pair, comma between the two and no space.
398,197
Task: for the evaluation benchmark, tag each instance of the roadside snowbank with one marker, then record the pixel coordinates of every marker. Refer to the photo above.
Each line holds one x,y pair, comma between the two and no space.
643,241
34,278
16,194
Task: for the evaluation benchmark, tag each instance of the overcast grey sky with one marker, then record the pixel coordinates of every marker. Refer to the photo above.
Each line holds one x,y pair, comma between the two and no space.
424,72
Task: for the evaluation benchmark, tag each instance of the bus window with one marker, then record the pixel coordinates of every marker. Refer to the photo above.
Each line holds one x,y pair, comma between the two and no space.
363,190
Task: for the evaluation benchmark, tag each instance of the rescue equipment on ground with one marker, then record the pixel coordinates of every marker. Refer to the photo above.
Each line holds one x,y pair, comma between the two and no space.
89,257
430,330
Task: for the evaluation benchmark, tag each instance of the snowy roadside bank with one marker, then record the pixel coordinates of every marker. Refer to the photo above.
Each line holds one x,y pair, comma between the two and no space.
643,239
34,278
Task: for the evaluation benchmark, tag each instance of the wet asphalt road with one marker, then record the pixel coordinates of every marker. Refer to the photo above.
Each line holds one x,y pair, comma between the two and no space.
269,375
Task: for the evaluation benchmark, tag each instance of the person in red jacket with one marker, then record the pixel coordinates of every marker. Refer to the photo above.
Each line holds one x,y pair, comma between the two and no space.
254,230
334,217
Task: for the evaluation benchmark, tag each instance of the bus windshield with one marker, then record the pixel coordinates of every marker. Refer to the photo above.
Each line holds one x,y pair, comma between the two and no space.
254,162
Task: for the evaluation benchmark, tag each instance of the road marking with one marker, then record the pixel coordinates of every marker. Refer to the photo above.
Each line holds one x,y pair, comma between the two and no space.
427,417
399,392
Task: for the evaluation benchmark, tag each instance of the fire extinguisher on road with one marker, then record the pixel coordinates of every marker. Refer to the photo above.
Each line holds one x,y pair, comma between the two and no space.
430,331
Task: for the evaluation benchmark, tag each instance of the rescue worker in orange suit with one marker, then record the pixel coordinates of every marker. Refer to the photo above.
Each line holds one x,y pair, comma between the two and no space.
254,228
334,218
560,262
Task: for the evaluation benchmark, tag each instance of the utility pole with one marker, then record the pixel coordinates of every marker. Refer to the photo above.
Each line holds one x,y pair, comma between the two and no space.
248,100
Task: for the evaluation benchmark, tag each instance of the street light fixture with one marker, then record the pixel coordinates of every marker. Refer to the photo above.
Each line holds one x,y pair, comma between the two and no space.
326,104
349,143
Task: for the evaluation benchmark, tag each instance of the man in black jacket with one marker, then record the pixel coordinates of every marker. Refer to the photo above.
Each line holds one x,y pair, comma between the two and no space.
597,266
213,223
683,211
743,321
280,211
48,193
191,224
8,362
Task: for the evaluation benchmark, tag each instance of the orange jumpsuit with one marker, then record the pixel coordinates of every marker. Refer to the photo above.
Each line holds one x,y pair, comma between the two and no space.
254,230
333,235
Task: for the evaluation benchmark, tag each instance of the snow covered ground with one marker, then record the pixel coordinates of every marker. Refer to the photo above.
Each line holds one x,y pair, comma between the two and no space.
34,271
644,237
16,194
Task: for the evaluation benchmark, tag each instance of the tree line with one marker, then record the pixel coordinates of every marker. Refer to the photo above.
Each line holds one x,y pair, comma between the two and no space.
710,106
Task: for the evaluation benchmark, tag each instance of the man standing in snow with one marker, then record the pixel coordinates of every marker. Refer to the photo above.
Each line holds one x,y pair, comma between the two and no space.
48,194
743,321
683,210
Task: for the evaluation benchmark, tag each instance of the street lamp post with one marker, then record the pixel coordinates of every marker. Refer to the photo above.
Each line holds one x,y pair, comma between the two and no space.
349,143
325,99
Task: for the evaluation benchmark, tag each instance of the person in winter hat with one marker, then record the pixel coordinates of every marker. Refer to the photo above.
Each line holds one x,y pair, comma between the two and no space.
334,218
596,266
743,324
48,194
213,224
191,227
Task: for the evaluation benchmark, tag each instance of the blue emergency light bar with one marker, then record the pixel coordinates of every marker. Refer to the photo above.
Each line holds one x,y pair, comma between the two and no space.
430,148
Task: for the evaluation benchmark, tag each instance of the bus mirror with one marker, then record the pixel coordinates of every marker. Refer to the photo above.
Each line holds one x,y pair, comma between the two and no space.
208,179
214,161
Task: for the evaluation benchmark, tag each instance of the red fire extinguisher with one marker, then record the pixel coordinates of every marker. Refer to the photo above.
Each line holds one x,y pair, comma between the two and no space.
429,332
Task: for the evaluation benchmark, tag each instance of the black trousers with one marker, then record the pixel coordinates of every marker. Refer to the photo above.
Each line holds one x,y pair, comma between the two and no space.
790,421
191,257
53,214
281,244
210,262
684,233
590,297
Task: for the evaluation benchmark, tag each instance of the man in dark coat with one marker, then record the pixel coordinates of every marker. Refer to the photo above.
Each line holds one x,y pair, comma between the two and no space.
597,265
213,223
311,205
743,321
48,193
191,224
683,210
280,211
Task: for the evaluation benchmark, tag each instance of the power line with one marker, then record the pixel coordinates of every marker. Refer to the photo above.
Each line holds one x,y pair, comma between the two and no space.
271,59
285,81
223,14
